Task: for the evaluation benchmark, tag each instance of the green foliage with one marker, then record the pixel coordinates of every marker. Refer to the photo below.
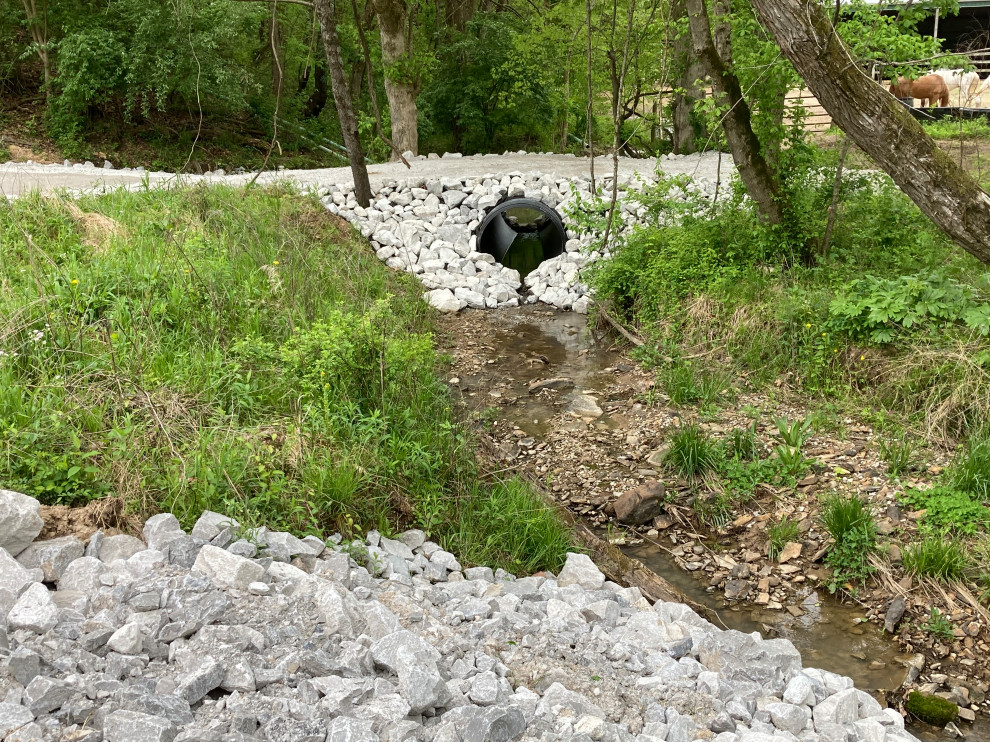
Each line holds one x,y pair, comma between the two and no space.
714,511
239,352
780,534
686,385
948,509
898,453
851,525
879,310
931,709
958,129
936,557
691,453
938,625
793,433
742,444
970,470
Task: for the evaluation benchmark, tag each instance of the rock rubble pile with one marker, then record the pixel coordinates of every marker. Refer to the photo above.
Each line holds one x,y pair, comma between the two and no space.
426,226
231,634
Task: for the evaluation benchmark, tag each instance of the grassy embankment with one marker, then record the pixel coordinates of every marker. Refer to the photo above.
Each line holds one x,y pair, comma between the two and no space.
245,353
888,324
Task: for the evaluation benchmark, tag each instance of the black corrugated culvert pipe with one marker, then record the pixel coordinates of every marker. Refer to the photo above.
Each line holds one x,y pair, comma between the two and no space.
521,233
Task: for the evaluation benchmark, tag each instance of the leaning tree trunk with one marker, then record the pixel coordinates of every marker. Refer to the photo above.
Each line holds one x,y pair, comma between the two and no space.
393,17
326,14
879,124
754,171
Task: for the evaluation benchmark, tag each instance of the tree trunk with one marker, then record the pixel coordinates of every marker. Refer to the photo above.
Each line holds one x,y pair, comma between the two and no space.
393,18
754,171
685,133
879,124
458,13
326,14
38,26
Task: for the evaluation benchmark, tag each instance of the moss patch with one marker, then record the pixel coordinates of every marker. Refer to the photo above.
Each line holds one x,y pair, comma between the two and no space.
931,709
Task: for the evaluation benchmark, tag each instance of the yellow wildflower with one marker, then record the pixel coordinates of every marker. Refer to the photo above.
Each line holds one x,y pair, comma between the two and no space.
74,281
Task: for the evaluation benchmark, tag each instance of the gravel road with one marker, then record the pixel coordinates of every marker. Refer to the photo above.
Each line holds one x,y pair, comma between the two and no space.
19,178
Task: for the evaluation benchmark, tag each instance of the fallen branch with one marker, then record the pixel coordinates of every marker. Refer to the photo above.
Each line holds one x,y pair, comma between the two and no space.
616,325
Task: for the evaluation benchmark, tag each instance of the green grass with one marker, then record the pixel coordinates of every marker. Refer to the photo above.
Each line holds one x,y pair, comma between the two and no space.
687,385
780,534
850,523
970,470
239,352
958,129
940,558
692,452
898,453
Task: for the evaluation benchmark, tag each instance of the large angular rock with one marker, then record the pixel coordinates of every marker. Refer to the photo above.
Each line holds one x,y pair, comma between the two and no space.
20,521
895,612
346,729
497,724
788,718
128,639
210,524
160,529
34,610
13,577
195,684
52,556
839,708
13,717
121,546
44,695
580,570
641,504
227,570
133,726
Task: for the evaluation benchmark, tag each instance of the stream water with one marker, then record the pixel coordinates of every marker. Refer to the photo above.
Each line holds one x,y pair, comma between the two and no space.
530,344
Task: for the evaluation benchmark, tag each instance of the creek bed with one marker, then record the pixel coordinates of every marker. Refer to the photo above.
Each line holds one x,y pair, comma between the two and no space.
500,354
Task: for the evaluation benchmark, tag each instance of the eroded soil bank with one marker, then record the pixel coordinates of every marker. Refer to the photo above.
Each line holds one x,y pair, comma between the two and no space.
586,420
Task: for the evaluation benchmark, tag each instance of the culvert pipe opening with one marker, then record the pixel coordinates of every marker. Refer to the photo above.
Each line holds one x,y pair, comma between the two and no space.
521,233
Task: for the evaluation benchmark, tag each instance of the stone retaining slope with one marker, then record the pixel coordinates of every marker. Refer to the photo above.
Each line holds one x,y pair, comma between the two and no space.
427,227
234,634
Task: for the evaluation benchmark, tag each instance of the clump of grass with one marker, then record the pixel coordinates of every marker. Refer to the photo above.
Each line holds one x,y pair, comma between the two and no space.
687,386
970,471
898,453
780,534
714,511
851,525
940,558
692,452
742,444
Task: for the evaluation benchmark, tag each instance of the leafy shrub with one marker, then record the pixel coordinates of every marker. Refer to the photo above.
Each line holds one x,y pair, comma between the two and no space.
881,309
780,534
937,557
849,521
948,508
692,452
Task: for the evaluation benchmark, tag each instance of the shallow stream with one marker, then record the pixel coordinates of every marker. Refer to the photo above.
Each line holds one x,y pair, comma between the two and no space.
530,344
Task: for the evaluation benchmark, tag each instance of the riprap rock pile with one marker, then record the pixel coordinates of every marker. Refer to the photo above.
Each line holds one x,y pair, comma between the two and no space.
426,226
231,634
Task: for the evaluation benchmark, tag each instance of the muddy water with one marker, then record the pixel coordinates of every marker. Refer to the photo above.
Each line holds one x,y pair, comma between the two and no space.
530,344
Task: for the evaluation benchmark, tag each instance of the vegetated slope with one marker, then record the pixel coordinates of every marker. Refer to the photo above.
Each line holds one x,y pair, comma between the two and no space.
240,351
